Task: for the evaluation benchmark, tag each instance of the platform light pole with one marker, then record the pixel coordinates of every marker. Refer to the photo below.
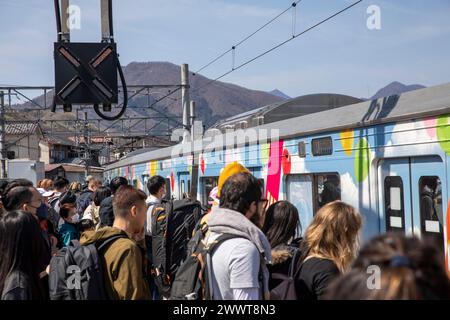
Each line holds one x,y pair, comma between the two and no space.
185,99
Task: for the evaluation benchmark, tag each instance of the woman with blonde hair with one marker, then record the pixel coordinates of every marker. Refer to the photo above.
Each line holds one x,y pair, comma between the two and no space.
75,187
46,184
329,246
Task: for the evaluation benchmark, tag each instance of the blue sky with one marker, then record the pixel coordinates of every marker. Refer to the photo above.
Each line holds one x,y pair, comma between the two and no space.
342,56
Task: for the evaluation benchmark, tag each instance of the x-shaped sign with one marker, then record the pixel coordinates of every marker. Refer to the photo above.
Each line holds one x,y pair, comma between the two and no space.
87,74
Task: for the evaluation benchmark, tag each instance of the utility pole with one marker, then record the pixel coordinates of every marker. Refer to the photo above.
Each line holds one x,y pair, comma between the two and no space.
185,99
65,31
2,135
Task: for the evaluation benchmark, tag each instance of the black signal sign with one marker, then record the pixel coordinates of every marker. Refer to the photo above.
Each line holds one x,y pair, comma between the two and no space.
85,73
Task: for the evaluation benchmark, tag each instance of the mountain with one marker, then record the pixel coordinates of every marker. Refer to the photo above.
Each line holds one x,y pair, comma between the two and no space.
280,94
214,101
395,88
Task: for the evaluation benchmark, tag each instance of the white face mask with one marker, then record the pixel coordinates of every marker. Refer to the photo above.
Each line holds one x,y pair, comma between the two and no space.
76,218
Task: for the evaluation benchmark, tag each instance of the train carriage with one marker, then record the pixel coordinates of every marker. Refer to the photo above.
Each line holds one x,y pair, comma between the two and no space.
387,157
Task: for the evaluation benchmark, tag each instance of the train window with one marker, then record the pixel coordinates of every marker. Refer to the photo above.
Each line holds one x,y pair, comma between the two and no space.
322,146
302,149
169,191
431,218
134,183
327,188
393,203
208,183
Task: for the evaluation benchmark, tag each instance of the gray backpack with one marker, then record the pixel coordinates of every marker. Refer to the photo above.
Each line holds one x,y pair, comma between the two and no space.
76,272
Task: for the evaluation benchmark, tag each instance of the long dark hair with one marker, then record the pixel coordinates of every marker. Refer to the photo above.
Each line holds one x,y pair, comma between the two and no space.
22,249
280,223
101,194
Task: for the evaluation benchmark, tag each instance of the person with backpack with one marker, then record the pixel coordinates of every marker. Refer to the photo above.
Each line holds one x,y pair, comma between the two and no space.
281,225
214,195
86,196
22,248
156,186
157,189
106,212
123,260
408,268
172,226
238,268
328,249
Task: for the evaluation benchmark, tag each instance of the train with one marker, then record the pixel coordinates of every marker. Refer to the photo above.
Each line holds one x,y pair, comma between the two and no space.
387,157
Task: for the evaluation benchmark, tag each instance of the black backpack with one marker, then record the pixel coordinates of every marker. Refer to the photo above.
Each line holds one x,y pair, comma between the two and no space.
53,211
173,223
285,290
193,280
76,272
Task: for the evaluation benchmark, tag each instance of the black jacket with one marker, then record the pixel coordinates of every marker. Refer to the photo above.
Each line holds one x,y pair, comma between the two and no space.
281,260
106,212
83,201
314,277
17,287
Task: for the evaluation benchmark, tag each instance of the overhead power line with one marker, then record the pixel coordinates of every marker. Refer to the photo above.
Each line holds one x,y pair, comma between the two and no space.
294,36
293,5
278,45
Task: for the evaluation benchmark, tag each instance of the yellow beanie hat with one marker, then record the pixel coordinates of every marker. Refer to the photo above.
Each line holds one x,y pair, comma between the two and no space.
228,171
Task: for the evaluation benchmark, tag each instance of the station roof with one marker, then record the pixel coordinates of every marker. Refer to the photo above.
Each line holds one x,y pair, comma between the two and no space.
18,128
288,109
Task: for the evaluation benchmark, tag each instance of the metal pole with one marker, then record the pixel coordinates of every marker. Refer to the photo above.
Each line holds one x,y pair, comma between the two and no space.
106,20
192,113
185,99
65,31
2,135
192,118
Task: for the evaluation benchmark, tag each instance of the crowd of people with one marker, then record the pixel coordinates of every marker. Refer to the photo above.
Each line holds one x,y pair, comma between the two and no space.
267,256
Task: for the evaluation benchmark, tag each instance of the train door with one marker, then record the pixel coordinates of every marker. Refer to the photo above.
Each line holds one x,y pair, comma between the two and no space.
184,184
410,193
206,185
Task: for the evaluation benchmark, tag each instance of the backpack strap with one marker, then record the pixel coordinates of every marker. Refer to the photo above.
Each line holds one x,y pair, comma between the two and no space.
213,247
110,241
292,269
